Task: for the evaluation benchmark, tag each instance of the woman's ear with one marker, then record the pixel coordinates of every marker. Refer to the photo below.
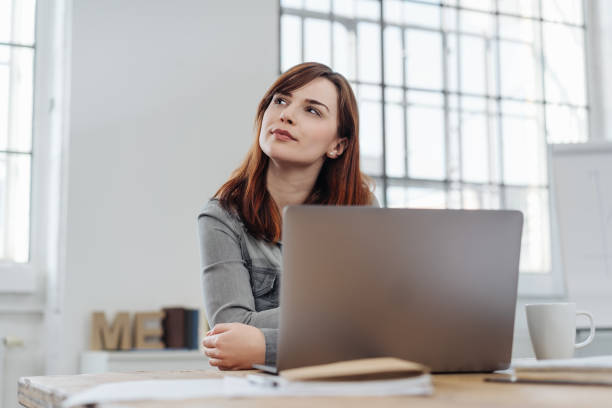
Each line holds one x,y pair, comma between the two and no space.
338,147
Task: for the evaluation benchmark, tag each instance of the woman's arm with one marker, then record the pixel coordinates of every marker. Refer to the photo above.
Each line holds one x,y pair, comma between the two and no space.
228,299
228,296
236,346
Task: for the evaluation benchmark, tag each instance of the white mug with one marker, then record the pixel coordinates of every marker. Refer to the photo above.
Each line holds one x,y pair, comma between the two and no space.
552,329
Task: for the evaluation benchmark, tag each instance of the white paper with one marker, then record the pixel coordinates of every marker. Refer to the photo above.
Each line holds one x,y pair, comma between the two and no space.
147,390
241,387
599,363
233,386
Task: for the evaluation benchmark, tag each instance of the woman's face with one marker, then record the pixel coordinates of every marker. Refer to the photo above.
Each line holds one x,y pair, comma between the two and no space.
301,128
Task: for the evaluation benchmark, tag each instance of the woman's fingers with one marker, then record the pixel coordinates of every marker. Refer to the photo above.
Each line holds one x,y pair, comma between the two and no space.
221,327
219,363
212,352
210,341
215,362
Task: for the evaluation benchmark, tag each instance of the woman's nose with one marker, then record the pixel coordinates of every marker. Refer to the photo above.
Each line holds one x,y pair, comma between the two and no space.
285,116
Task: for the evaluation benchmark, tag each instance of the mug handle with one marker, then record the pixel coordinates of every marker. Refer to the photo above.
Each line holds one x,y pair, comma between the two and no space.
592,329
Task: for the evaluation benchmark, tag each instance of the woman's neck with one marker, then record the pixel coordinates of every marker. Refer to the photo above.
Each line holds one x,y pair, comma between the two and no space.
289,185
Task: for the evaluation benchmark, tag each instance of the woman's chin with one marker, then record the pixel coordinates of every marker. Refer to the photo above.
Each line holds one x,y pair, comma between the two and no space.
285,160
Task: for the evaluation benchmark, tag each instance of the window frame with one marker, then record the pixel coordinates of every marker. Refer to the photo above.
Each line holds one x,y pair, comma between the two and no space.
47,192
550,284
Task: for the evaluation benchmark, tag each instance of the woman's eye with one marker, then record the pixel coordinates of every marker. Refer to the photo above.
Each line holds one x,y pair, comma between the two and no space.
278,100
313,110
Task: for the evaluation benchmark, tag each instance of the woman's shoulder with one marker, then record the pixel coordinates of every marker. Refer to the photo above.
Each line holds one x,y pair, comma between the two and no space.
214,209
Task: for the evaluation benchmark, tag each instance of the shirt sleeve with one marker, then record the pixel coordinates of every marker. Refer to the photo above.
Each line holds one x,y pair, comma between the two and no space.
271,336
226,284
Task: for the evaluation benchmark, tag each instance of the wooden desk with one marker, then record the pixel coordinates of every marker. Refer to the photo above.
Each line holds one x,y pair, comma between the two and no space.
466,390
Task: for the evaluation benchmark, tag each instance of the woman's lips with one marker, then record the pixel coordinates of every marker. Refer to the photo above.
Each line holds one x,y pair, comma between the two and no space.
282,135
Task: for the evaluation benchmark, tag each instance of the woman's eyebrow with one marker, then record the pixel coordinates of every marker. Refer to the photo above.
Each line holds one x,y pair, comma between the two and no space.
315,102
311,101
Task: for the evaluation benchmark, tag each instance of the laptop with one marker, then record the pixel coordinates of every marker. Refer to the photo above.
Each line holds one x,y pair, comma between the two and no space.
437,287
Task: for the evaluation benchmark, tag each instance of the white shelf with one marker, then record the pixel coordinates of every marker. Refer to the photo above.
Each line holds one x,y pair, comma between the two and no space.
136,360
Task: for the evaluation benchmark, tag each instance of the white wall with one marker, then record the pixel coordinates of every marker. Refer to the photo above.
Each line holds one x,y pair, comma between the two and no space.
162,106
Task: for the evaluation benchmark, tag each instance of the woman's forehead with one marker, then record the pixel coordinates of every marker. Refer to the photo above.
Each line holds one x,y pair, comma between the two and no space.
319,89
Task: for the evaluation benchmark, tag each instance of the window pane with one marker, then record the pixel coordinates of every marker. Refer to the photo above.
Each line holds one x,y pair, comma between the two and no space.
368,35
16,98
393,56
424,59
452,62
495,149
297,4
565,124
392,11
291,41
484,5
429,99
475,148
523,144
394,95
483,198
344,8
317,41
450,19
473,22
370,93
15,207
344,51
567,11
400,196
322,6
370,137
17,20
368,9
424,15
426,152
395,143
535,242
453,148
519,29
474,65
526,8
519,80
565,72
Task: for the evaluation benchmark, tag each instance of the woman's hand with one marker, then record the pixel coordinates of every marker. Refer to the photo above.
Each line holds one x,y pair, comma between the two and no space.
235,346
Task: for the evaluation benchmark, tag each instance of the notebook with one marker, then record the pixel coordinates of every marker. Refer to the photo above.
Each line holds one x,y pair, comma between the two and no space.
579,371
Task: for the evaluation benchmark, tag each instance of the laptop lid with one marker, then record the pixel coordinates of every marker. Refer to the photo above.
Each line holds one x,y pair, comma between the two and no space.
436,287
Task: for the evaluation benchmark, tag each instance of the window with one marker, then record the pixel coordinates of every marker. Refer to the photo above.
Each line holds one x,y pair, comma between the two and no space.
458,99
17,53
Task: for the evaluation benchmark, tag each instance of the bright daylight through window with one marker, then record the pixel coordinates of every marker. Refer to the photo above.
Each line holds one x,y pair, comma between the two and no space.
17,52
471,92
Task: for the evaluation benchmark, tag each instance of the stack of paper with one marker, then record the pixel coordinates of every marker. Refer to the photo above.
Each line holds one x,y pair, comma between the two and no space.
587,370
364,377
367,377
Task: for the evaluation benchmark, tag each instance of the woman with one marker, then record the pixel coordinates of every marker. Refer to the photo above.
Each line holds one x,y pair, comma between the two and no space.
306,152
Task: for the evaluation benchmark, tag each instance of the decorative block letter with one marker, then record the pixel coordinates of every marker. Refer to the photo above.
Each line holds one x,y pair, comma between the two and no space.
114,338
148,337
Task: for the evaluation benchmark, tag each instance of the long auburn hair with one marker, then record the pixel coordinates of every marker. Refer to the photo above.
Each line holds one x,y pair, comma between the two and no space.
340,181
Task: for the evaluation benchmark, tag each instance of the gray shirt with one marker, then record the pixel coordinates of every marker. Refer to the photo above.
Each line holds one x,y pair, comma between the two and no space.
240,274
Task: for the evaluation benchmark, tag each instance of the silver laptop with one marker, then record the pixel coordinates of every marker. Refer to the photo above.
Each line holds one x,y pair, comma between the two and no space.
437,287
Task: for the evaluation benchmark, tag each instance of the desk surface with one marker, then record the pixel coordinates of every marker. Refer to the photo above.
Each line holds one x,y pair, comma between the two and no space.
450,390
